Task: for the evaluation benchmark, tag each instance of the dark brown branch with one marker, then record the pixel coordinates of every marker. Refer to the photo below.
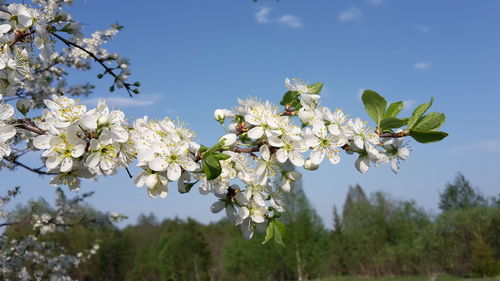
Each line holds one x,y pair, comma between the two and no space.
248,150
28,125
98,60
20,36
23,222
39,171
393,135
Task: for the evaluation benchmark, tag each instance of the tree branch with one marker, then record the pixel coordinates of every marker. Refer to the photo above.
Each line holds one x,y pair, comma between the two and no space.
98,60
39,171
392,135
28,125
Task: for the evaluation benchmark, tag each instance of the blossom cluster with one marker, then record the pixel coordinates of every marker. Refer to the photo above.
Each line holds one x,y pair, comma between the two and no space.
323,133
32,257
248,170
260,151
32,67
80,143
7,131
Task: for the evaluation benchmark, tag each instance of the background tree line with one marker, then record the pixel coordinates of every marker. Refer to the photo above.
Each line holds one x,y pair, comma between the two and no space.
374,235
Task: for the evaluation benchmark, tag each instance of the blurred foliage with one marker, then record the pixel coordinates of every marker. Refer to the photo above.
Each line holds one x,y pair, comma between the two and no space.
374,236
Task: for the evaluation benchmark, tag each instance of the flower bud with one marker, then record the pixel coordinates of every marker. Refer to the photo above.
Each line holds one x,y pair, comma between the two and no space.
305,115
23,105
232,128
309,165
229,139
219,115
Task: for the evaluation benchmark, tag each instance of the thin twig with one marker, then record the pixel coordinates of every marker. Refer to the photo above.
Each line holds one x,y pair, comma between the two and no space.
92,55
39,171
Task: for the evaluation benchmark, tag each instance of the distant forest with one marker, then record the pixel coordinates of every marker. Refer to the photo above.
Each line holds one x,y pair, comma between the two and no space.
374,235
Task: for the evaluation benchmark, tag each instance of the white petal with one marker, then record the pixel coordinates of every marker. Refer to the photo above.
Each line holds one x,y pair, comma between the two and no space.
241,198
89,121
218,206
229,139
359,142
334,156
4,28
140,180
52,162
151,181
258,217
296,158
372,151
247,229
120,134
116,116
281,155
394,166
93,160
78,150
362,164
243,213
42,142
403,153
258,200
158,165
173,172
286,186
317,155
255,132
66,164
264,152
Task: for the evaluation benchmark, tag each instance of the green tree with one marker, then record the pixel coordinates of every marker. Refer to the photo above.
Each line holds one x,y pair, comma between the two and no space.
306,237
182,252
460,195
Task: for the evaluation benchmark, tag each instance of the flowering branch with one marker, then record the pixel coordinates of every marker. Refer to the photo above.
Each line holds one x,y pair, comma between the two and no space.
127,85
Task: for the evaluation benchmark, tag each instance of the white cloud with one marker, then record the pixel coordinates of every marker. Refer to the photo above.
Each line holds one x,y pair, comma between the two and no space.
422,28
422,65
263,17
144,100
375,2
492,146
351,14
290,21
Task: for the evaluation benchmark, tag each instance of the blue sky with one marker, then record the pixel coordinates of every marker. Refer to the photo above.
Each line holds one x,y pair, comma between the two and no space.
192,57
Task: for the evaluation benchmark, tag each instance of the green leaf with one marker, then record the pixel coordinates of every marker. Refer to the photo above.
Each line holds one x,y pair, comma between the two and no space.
290,98
202,149
391,123
418,112
188,186
279,232
394,109
269,233
429,122
375,105
211,167
427,137
315,88
221,156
